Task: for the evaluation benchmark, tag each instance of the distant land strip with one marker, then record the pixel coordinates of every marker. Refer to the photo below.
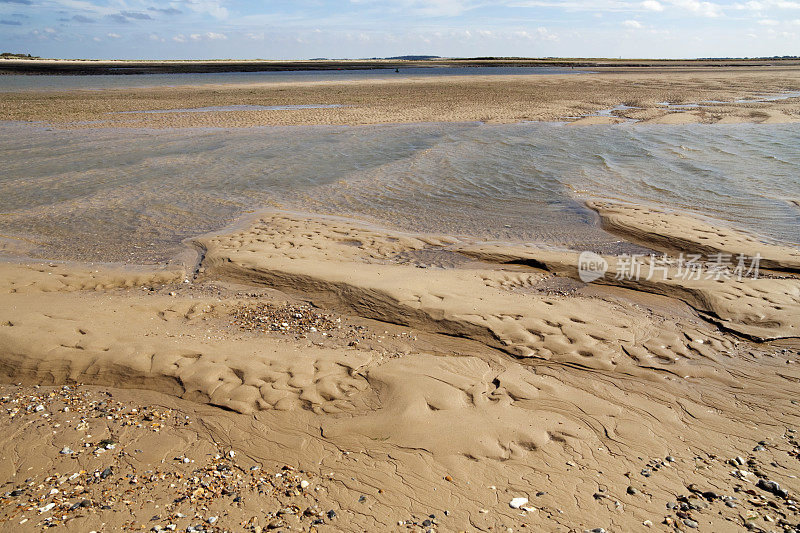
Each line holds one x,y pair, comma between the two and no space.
88,67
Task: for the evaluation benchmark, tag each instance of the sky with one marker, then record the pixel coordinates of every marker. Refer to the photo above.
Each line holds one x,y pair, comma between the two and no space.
304,29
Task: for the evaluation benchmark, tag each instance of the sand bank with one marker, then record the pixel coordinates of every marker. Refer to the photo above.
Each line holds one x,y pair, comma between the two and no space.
439,391
721,94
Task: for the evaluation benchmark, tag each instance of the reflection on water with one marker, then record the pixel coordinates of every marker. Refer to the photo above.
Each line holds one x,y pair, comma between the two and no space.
135,194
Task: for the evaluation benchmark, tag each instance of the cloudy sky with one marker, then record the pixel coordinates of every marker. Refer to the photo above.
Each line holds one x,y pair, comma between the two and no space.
296,29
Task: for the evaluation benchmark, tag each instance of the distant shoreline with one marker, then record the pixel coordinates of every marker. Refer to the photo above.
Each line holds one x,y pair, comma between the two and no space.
123,67
673,95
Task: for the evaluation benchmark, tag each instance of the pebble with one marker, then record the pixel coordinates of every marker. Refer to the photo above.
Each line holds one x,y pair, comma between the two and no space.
66,451
773,487
632,490
516,503
690,523
304,484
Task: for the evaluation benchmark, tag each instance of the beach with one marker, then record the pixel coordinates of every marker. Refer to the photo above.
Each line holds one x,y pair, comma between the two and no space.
712,94
388,315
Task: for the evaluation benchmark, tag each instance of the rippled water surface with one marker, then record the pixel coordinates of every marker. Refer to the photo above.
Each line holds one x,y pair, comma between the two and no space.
135,194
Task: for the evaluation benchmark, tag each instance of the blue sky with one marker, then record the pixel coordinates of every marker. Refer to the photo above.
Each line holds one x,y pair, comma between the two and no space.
197,29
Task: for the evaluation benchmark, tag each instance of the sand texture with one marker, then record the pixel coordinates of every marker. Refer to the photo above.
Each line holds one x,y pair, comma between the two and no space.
446,99
675,232
419,391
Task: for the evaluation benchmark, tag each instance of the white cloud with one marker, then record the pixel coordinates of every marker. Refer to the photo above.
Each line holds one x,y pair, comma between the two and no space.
632,24
706,9
209,36
768,22
764,5
112,35
652,5
426,8
215,9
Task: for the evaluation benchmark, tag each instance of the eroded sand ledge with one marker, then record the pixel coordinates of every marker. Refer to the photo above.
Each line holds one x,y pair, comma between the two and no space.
508,389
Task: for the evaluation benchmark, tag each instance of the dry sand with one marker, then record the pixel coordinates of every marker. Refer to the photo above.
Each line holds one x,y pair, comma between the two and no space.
406,393
428,99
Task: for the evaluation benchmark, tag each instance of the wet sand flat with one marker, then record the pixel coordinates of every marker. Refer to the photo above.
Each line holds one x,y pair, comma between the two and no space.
448,99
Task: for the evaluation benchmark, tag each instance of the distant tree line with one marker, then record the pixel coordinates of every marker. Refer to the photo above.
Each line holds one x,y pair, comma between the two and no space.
10,55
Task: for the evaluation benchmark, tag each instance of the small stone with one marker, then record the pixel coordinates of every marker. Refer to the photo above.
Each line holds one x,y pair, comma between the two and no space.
66,450
304,484
516,503
670,459
427,523
690,523
632,490
647,523
331,514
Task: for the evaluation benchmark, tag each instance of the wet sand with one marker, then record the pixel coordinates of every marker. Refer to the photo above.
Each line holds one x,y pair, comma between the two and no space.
409,394
576,98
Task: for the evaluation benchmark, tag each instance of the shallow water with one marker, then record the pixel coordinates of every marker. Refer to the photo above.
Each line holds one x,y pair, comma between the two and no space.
15,82
135,194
